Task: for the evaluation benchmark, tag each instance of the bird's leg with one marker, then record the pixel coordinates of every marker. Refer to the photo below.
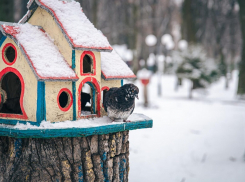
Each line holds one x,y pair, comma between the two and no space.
126,121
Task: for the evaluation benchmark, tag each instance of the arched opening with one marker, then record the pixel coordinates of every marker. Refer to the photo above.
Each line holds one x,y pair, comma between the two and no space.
11,89
87,64
89,98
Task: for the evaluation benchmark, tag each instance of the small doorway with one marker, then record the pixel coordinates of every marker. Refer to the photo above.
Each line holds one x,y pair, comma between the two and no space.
10,94
88,99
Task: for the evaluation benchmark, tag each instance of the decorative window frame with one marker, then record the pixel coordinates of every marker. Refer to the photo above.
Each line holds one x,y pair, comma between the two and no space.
17,73
4,57
98,92
91,55
70,99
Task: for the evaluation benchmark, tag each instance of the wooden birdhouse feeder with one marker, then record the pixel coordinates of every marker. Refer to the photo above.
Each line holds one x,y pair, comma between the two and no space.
55,68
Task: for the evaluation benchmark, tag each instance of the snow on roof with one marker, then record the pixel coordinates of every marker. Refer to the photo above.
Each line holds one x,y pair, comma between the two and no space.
45,58
113,67
79,31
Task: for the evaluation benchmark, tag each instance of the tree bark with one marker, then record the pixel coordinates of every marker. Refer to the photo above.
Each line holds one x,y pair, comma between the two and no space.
189,25
241,81
191,89
6,9
94,158
145,96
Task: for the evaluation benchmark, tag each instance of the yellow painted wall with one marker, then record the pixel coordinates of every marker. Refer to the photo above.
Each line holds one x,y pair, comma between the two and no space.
30,81
53,112
42,18
110,83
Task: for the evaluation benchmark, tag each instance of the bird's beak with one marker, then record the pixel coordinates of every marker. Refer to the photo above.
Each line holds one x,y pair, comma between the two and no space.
137,96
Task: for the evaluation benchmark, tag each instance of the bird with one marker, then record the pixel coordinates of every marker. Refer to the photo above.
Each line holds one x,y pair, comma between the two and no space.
119,102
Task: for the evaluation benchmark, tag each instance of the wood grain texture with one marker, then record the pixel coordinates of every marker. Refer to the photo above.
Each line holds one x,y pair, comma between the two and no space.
63,159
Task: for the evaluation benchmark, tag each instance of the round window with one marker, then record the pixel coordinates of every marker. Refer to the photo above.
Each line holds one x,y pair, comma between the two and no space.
64,99
9,54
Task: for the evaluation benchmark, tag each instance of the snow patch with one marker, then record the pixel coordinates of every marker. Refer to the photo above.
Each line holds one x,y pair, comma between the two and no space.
82,123
144,74
113,66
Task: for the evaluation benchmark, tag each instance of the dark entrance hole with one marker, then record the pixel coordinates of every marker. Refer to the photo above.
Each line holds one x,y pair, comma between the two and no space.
10,54
11,85
63,99
87,64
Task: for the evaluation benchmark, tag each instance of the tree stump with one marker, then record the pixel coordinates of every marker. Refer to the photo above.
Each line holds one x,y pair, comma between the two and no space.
84,159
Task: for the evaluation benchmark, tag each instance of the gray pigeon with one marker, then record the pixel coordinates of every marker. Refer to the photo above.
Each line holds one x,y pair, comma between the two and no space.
119,103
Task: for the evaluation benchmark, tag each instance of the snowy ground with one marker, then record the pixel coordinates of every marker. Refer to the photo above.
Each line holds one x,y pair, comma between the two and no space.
198,140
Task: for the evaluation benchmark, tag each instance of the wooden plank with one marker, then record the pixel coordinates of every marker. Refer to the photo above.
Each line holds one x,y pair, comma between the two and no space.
2,40
73,132
41,109
74,86
15,121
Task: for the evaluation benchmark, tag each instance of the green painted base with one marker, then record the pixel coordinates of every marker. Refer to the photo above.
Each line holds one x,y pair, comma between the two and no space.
139,122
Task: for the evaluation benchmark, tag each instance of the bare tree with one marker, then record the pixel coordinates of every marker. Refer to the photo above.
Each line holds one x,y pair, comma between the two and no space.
6,10
241,83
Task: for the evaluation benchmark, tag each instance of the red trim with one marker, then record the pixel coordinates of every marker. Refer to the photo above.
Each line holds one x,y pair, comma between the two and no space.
105,88
17,116
61,25
3,54
97,87
119,77
81,63
71,99
10,30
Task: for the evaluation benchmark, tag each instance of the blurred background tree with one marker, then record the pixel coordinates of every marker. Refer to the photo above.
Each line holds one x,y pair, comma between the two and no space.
6,10
195,66
241,82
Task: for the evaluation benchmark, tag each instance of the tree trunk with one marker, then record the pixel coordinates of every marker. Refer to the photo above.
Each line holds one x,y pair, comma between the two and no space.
135,37
241,81
95,10
19,9
94,158
6,9
189,25
145,96
191,89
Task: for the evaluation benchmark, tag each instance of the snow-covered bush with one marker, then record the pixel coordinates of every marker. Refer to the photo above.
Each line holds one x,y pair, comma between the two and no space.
193,64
